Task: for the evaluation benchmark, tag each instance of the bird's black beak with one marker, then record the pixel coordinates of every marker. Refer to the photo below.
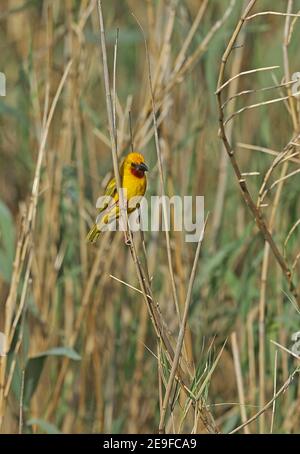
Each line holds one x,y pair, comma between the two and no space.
142,167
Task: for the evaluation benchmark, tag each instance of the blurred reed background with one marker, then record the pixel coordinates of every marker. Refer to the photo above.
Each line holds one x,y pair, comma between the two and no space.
83,355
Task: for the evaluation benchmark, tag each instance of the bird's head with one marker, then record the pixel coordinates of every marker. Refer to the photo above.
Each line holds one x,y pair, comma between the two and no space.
135,164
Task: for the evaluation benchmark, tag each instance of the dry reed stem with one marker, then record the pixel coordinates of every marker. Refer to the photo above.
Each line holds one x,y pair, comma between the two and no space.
266,151
239,379
271,13
275,387
256,90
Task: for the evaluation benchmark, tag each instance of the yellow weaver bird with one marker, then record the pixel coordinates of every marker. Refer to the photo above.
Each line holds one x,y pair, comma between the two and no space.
133,183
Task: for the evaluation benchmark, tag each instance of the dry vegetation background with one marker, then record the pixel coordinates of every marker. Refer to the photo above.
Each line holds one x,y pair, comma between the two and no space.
83,353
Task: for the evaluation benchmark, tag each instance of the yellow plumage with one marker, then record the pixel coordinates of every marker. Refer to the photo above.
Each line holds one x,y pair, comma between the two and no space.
133,181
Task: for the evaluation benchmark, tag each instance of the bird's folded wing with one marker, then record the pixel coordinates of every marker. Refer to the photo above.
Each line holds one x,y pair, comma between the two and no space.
110,197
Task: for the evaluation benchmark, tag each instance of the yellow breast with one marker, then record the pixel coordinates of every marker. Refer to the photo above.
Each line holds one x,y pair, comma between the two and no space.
134,186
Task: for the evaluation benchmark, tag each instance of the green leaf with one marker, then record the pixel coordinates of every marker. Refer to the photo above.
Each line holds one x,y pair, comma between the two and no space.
35,365
33,373
7,242
6,109
216,261
17,376
44,425
60,351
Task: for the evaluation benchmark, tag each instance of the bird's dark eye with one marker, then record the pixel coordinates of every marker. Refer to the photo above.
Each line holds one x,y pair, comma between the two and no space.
133,165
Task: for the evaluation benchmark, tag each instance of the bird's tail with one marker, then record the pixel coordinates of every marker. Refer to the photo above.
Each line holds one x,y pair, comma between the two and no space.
93,234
